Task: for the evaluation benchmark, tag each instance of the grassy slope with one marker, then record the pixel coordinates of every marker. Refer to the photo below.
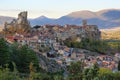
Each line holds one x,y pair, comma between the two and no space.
113,33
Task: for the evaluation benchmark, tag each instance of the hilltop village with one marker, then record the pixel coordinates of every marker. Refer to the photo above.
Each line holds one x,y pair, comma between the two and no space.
47,40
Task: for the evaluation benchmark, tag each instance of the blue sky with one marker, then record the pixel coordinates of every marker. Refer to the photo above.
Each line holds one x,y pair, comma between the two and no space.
53,8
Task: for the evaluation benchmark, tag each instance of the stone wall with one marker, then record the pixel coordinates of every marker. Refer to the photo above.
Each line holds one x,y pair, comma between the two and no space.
70,31
88,31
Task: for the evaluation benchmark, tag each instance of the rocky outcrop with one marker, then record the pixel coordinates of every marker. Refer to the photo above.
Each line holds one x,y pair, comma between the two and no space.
48,65
19,25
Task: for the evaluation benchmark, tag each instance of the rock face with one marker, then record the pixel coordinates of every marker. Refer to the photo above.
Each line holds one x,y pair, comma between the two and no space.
48,65
19,25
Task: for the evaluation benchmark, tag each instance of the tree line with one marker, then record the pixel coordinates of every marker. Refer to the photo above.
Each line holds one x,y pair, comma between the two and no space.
89,44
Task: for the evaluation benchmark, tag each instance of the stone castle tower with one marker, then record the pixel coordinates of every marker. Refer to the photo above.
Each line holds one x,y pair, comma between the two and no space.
19,25
84,22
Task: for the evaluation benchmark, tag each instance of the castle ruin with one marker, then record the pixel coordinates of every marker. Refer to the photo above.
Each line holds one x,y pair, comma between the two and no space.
19,25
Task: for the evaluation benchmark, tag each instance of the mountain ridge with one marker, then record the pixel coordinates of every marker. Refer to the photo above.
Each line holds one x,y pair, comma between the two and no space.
85,14
106,18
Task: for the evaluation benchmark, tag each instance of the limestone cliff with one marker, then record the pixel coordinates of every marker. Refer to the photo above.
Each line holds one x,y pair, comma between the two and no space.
19,25
48,65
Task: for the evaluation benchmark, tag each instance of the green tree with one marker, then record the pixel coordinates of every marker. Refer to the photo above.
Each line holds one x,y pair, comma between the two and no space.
105,74
58,77
116,75
14,55
4,52
96,69
75,70
89,44
25,57
119,66
6,74
91,73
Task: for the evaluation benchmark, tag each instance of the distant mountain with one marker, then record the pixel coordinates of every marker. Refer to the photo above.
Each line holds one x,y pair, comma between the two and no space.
5,19
42,20
107,18
82,14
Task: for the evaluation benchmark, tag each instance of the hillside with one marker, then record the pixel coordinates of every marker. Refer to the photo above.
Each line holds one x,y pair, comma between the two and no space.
83,14
113,33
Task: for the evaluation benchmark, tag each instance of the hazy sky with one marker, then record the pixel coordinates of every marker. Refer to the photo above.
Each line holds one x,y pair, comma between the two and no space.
53,8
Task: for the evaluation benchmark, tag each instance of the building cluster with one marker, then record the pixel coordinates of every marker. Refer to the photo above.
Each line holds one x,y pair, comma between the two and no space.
51,37
68,55
48,40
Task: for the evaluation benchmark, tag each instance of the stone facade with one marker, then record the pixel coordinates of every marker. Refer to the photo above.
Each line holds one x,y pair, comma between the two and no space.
19,25
81,32
68,31
61,33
